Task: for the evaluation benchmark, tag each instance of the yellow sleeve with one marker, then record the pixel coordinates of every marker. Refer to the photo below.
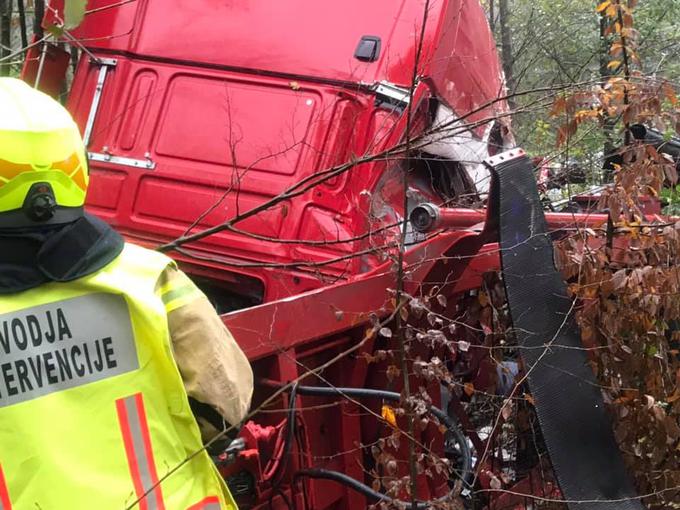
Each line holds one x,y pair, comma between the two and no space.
176,289
214,369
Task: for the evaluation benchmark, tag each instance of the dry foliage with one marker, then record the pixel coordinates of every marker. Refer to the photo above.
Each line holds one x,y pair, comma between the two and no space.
626,275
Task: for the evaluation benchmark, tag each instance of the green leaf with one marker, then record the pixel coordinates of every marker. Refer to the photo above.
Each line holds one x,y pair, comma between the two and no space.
55,30
74,12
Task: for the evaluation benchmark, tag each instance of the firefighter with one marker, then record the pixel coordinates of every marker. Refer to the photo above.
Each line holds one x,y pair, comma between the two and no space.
103,344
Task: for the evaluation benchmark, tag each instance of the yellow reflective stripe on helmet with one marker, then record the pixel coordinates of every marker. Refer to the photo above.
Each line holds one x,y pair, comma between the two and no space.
71,166
9,170
179,292
39,142
66,190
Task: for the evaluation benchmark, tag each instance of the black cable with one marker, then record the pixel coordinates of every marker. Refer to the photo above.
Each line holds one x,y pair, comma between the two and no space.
290,431
290,434
300,440
336,476
466,455
352,483
466,461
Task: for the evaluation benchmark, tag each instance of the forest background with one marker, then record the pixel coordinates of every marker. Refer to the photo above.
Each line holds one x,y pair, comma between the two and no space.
562,44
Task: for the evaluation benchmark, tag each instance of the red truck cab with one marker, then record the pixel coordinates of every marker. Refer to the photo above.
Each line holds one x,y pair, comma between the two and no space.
195,113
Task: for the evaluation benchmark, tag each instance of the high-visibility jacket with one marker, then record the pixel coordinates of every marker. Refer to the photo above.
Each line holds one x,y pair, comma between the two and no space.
93,412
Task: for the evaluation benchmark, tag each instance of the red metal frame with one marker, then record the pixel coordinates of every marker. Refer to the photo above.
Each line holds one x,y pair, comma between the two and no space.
295,333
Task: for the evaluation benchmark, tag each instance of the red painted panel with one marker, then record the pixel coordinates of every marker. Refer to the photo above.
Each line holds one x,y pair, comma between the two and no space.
465,68
325,225
181,133
337,148
182,203
105,188
289,36
54,67
337,307
312,39
137,108
253,126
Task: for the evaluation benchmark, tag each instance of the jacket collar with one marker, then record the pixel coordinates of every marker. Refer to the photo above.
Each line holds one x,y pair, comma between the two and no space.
32,257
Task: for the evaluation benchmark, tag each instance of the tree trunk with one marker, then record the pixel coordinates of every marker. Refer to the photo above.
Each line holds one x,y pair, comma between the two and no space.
492,16
507,56
22,23
609,123
39,6
5,35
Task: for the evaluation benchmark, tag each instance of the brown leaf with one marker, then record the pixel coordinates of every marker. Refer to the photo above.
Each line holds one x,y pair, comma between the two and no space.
603,5
559,106
506,411
619,279
392,373
649,401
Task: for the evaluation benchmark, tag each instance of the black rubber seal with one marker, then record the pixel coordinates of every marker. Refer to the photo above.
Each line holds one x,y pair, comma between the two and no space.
575,424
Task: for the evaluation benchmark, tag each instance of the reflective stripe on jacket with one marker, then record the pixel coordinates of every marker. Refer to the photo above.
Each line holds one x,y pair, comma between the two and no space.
93,412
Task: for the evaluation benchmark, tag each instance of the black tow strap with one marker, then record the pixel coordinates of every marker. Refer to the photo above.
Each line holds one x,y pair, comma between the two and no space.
576,428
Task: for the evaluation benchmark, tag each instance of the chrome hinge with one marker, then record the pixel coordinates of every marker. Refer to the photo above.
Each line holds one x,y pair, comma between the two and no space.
387,92
105,64
105,157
